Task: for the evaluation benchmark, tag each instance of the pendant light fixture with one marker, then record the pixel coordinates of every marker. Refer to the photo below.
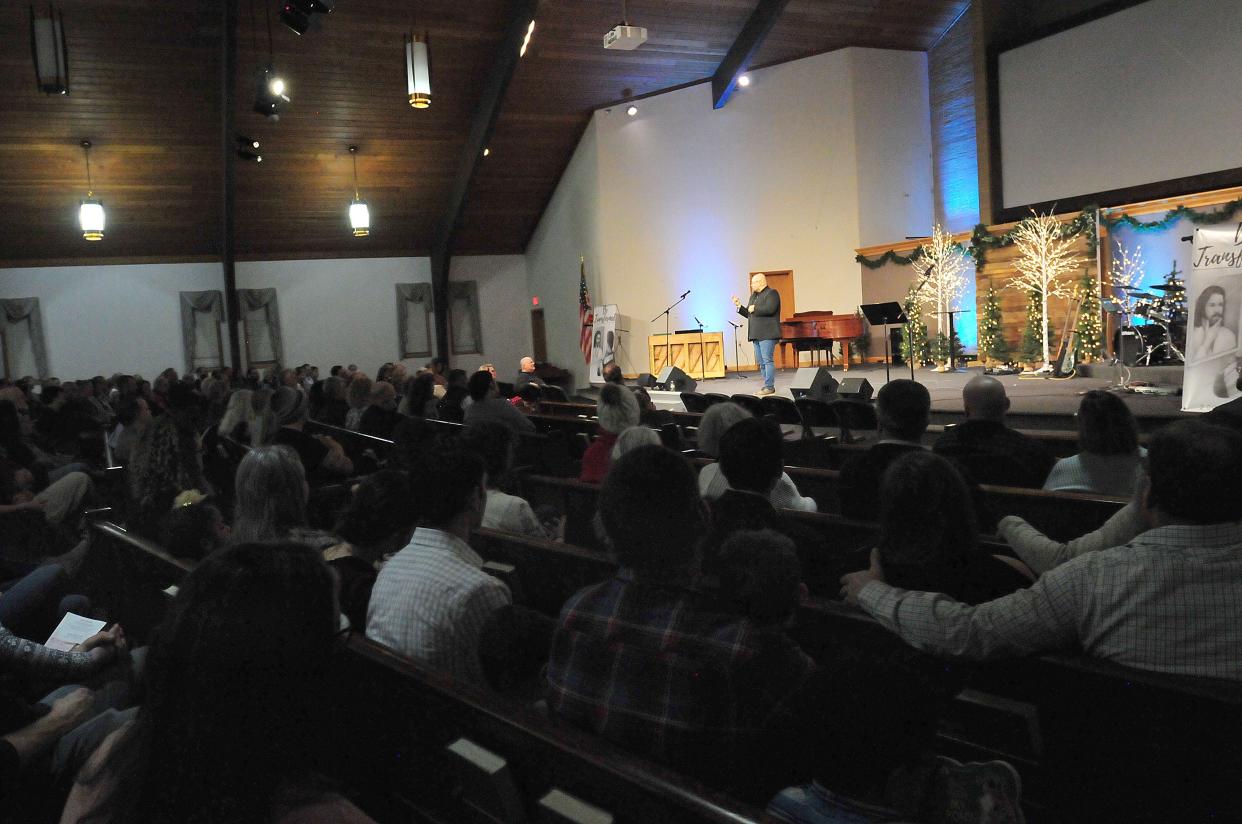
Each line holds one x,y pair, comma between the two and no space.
90,211
51,55
359,214
417,71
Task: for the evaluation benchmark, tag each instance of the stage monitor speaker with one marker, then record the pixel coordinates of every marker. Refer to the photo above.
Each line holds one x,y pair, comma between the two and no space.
646,380
1129,346
857,389
673,379
813,382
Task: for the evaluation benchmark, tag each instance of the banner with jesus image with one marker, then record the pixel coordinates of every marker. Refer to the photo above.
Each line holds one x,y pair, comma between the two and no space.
1214,298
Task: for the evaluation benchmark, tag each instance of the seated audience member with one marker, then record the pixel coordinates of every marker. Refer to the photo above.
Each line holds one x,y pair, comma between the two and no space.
449,408
651,663
717,420
631,439
618,411
495,443
874,761
526,375
418,397
194,528
991,452
31,606
237,423
381,416
1170,600
611,373
239,702
439,369
761,577
320,455
271,493
490,368
648,413
359,398
165,462
18,443
486,405
432,598
132,415
902,407
412,440
1109,457
335,407
377,524
929,537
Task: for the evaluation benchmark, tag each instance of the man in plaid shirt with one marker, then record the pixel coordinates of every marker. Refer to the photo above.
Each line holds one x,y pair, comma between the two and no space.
1169,601
650,662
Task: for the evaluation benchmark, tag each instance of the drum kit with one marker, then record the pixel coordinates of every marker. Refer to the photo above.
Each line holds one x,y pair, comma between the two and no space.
1163,306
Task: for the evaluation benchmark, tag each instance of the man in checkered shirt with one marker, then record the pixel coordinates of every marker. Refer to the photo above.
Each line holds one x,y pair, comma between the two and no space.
1169,601
654,664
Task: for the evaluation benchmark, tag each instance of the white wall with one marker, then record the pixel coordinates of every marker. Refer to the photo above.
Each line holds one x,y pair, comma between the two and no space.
337,311
98,320
686,197
505,305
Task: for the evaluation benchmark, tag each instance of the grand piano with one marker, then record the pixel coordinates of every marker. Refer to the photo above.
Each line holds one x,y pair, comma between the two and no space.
815,331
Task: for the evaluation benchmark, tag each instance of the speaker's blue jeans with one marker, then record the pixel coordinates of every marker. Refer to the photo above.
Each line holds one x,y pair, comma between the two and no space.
764,351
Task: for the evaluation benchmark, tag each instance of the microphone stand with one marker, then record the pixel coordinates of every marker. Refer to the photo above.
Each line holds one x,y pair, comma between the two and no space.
668,347
737,347
702,351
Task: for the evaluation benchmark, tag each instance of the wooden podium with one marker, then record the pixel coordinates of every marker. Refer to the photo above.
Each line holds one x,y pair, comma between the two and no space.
685,351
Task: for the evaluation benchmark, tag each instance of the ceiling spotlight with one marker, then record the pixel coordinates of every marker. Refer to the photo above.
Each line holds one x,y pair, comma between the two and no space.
51,55
270,93
530,30
91,215
244,142
417,71
632,110
486,152
249,156
744,81
295,14
359,214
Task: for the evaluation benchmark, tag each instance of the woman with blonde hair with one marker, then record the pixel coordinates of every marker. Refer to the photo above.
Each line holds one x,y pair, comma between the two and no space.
359,398
238,419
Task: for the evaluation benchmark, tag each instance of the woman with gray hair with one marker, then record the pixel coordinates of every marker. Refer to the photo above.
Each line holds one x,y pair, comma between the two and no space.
618,411
633,438
270,500
717,420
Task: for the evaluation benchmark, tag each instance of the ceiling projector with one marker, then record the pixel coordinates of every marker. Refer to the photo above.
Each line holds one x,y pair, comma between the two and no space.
625,38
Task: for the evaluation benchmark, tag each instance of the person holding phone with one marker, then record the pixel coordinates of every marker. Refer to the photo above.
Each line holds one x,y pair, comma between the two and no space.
763,310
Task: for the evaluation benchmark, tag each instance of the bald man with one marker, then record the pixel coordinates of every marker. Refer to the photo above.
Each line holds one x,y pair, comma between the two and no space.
526,375
763,310
990,451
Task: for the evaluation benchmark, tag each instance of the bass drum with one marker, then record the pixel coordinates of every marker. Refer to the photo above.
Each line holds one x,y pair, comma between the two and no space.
1133,343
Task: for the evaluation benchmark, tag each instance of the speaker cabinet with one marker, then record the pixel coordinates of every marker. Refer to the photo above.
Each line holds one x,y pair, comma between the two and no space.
673,379
858,389
814,382
646,380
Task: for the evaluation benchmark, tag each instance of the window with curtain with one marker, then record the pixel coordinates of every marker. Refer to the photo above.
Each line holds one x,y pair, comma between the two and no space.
415,319
465,325
202,314
261,322
23,350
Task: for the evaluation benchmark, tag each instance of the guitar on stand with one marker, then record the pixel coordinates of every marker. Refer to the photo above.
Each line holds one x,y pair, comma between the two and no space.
1066,362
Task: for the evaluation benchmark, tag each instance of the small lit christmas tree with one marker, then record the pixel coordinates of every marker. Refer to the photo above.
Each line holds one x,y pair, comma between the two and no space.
914,334
1032,348
992,344
1090,340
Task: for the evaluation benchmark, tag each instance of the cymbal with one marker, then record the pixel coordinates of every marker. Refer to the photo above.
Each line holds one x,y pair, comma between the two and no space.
1169,287
1144,296
1131,289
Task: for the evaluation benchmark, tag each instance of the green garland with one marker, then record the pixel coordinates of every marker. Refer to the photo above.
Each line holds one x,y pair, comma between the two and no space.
982,239
890,256
1226,212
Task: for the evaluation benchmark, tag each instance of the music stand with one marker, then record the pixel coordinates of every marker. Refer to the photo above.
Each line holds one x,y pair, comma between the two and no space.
882,314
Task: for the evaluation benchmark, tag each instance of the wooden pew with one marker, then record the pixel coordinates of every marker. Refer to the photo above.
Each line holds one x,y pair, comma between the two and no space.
397,717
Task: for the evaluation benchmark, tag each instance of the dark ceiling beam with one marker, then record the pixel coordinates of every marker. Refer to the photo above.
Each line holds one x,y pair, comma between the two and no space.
228,197
521,13
737,59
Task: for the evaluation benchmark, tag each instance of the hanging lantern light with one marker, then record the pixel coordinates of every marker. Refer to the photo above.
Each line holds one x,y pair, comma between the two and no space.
417,71
359,214
90,211
51,55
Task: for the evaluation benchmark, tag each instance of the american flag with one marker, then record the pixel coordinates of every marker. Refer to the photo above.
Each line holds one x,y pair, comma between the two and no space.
586,315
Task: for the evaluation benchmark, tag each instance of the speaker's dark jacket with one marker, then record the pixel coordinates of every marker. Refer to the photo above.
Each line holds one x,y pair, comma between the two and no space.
765,321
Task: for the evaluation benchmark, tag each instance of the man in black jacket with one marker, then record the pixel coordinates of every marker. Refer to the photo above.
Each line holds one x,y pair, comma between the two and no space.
764,311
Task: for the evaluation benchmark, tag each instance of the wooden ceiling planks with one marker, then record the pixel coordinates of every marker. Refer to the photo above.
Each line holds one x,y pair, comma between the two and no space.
145,89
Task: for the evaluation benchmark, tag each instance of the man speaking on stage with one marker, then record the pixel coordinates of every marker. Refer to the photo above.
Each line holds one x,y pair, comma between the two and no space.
764,311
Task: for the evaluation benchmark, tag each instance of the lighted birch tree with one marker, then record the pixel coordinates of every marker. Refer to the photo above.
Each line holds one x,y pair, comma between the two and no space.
1124,275
1045,258
940,277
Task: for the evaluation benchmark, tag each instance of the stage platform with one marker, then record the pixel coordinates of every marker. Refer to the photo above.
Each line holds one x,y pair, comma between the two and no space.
1037,403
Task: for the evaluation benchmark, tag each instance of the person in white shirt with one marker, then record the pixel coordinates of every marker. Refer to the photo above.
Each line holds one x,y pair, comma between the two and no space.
495,444
1168,601
432,599
712,483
